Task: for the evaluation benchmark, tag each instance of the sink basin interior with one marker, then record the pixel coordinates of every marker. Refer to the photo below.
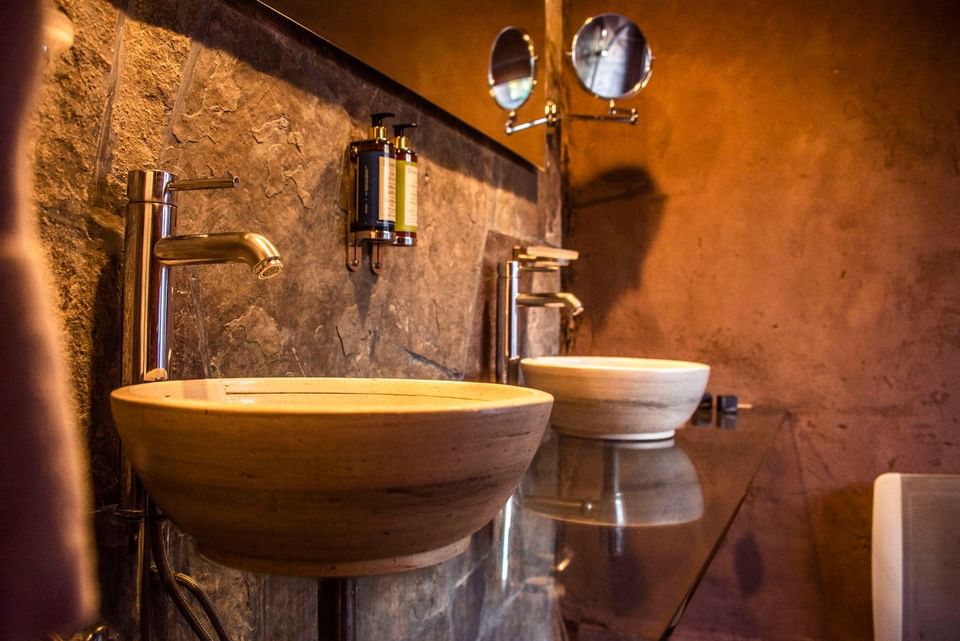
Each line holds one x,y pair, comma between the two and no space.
330,477
613,364
382,396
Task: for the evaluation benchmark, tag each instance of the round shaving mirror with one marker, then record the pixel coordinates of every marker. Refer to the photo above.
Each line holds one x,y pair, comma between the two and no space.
512,68
611,57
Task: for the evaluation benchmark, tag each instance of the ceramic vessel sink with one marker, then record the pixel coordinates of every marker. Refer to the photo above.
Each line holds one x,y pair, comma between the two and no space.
330,477
618,398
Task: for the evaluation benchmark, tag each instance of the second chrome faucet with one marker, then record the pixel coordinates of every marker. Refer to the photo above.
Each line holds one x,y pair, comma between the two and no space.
509,299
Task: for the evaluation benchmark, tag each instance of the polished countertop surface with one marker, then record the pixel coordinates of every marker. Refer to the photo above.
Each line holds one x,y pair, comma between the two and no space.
635,525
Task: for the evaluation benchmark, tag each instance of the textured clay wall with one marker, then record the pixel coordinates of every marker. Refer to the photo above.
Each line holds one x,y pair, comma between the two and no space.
206,88
786,211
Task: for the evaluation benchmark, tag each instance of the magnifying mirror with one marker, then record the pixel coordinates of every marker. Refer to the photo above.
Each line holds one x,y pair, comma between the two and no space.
512,68
611,57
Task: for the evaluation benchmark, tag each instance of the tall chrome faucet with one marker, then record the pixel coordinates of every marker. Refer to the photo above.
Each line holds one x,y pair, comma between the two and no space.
509,299
151,248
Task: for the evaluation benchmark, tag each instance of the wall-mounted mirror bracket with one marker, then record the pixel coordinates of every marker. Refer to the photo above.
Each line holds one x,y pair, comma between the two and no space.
552,117
609,53
614,114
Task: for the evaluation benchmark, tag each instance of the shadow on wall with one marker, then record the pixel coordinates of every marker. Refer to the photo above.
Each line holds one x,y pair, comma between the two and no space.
363,91
614,220
104,369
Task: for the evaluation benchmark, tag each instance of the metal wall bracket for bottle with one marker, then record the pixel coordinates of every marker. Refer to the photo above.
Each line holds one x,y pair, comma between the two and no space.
360,244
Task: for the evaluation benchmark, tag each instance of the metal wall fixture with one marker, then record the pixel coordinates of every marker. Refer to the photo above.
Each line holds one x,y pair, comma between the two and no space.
362,243
611,58
509,299
151,248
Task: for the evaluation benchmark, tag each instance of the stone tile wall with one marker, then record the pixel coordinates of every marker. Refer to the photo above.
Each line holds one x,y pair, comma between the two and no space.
206,88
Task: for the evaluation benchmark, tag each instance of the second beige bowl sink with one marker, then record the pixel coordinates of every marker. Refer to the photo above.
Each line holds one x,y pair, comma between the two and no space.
330,477
618,398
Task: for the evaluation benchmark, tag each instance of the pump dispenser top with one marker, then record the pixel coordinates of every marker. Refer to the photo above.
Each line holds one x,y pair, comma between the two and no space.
401,141
377,129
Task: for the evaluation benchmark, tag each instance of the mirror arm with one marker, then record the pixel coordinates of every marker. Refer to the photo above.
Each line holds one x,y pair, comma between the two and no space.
550,118
613,115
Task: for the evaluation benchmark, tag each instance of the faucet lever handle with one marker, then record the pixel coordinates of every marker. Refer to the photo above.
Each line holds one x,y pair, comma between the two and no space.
160,187
540,258
191,184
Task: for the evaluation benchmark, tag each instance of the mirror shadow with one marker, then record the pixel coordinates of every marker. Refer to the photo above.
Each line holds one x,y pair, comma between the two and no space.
613,221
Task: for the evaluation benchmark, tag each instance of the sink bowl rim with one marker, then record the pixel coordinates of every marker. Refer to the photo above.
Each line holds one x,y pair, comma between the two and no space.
500,396
614,364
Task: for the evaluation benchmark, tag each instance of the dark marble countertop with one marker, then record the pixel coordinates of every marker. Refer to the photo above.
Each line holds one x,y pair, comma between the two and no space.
620,533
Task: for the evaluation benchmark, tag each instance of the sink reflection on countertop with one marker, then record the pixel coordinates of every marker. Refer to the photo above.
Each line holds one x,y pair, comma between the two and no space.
614,483
635,528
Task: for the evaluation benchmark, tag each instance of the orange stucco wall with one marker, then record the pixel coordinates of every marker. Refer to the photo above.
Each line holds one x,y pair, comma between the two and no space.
787,211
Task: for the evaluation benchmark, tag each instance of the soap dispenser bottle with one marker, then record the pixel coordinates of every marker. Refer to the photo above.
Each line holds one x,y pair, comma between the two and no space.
406,223
376,202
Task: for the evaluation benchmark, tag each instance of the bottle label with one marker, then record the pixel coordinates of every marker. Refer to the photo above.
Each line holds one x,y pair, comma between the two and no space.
407,196
388,186
376,191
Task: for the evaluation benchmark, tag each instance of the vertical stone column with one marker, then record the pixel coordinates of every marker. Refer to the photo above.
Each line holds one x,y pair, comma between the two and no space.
551,188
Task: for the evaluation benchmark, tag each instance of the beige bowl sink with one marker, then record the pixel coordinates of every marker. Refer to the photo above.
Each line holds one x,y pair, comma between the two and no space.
618,398
330,477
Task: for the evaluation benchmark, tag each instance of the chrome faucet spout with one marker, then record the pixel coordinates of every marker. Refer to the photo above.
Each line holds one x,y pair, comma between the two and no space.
230,247
566,300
